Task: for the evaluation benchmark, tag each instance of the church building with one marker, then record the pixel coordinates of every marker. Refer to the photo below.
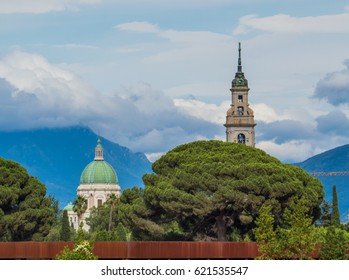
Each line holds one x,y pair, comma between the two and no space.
240,120
97,181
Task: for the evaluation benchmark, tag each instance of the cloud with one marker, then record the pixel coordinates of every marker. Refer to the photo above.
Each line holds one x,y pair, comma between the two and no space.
41,6
209,112
284,131
35,94
334,87
138,26
283,23
181,45
291,151
334,123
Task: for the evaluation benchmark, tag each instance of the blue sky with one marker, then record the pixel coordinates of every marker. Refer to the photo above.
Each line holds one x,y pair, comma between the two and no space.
154,74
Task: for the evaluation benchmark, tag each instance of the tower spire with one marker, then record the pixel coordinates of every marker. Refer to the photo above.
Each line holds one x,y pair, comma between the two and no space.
239,61
99,150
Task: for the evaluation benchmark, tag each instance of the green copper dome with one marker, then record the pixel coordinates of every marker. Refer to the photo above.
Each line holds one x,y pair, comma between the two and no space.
99,171
69,207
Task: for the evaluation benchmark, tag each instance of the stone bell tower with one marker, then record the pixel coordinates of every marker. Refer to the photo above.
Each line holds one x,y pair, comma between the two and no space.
240,120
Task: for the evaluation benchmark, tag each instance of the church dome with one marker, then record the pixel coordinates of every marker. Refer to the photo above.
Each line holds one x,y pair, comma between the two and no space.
99,171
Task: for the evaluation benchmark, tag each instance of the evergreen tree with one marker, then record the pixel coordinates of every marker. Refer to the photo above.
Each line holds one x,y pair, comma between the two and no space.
212,188
265,234
25,212
335,217
65,229
295,240
335,246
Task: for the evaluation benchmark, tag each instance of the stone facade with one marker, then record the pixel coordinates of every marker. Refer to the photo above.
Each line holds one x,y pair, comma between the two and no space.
240,119
98,180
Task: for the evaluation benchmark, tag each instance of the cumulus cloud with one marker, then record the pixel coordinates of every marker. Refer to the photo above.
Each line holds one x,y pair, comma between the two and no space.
35,93
41,6
284,131
291,151
282,23
334,87
334,123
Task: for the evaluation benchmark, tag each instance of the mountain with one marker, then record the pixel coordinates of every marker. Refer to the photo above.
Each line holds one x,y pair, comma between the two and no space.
336,159
58,156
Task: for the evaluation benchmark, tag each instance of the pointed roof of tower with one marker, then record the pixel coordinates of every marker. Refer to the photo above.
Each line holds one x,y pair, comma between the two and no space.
99,150
239,80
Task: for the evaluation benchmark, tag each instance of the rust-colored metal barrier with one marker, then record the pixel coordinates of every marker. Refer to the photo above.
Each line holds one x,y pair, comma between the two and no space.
135,250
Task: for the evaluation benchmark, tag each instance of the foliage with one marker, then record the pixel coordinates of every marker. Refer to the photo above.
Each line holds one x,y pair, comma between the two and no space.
120,233
25,212
65,228
296,240
325,216
82,250
335,217
99,218
111,202
212,189
54,204
80,205
265,234
335,245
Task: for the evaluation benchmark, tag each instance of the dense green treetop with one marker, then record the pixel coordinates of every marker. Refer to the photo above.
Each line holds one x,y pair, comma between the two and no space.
25,212
207,190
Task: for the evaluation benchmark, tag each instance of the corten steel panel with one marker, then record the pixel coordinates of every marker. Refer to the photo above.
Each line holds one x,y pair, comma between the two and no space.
176,250
111,250
31,250
135,250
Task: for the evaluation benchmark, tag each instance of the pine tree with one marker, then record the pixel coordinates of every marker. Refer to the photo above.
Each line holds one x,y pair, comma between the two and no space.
335,246
335,217
65,230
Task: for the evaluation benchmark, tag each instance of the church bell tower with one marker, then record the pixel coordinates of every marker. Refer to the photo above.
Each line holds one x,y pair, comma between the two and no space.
240,120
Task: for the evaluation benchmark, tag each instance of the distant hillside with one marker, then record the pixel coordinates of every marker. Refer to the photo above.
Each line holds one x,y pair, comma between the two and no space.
333,160
58,156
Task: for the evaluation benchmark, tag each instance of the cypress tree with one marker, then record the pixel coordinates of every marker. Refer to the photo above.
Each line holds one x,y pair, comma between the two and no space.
65,230
335,217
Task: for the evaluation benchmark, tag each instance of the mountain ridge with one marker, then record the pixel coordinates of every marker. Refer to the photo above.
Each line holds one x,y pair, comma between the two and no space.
57,156
333,160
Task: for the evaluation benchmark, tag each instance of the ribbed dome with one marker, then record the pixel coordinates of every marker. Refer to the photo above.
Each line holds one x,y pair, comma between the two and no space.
98,172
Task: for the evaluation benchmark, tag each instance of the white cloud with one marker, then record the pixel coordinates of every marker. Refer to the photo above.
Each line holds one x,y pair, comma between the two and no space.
41,6
182,45
138,26
46,6
153,156
267,114
35,93
283,23
208,112
292,151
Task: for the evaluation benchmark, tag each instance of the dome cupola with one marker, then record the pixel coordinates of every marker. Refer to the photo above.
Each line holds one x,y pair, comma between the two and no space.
98,171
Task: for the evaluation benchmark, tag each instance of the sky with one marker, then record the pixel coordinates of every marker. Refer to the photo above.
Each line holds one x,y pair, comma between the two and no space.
151,75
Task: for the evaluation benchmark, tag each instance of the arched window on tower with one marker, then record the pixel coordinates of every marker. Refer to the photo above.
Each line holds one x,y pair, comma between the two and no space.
240,110
241,138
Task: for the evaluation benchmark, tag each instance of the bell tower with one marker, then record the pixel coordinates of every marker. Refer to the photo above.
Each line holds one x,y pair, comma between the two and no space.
240,120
